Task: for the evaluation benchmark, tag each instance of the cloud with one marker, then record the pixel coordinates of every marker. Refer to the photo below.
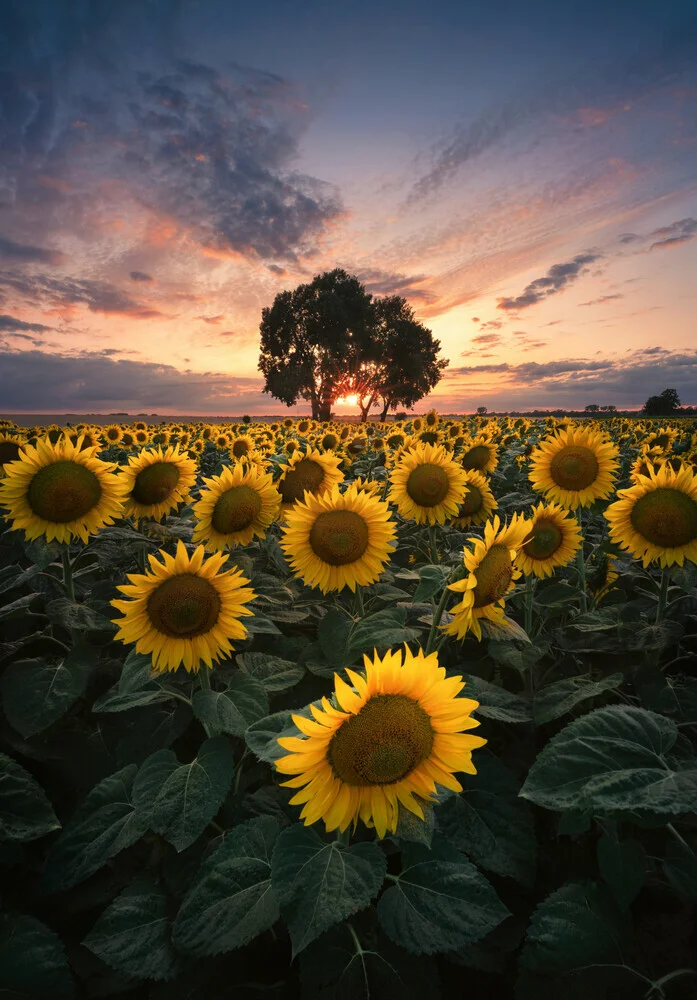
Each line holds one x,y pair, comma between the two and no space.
13,325
276,269
558,277
603,298
379,282
487,338
140,276
213,320
98,296
35,381
9,250
574,382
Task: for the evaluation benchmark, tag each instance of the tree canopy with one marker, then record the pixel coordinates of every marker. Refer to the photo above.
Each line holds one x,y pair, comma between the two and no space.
663,405
330,338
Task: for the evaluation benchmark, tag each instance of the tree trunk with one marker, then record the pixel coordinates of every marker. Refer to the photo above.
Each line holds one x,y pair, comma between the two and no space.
383,415
324,412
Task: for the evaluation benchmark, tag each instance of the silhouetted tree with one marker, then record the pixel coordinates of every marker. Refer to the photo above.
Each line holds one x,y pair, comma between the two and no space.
662,406
311,337
592,408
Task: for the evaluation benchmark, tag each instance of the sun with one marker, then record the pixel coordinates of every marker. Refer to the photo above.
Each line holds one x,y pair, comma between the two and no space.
347,400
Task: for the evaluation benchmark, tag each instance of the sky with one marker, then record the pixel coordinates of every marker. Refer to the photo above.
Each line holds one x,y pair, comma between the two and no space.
524,175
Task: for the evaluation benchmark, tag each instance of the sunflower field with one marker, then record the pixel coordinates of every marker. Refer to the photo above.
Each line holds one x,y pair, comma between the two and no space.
339,711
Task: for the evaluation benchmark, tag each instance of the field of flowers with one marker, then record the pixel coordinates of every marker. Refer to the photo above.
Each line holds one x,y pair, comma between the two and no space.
349,711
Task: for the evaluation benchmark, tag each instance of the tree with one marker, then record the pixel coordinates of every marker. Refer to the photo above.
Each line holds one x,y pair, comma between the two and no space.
592,408
311,337
662,406
330,339
481,410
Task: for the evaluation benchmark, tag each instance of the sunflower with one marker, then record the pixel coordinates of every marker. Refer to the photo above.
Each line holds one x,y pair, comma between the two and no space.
431,419
371,486
396,734
555,538
338,540
11,447
112,433
656,520
492,574
237,506
241,446
288,422
479,453
313,471
157,481
184,611
478,503
60,491
427,485
574,467
142,436
601,576
662,439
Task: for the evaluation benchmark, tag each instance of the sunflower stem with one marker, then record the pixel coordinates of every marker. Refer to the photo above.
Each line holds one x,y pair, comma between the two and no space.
581,564
205,682
358,606
529,596
433,546
343,836
662,598
436,620
68,575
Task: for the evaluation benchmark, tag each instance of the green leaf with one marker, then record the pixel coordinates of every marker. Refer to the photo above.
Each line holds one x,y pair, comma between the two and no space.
115,701
519,658
103,825
262,736
232,711
622,864
496,702
554,594
133,934
18,608
506,630
431,581
559,698
411,828
137,672
81,617
319,884
273,672
232,900
439,902
25,812
258,624
336,968
177,800
333,634
680,867
381,630
611,759
35,693
491,823
32,960
577,925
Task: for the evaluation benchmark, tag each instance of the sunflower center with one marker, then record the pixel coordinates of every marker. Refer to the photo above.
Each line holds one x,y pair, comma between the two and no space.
155,483
339,537
240,448
428,485
9,451
236,509
546,539
430,437
494,574
472,502
330,441
306,475
662,441
383,743
63,491
574,467
184,606
665,517
476,458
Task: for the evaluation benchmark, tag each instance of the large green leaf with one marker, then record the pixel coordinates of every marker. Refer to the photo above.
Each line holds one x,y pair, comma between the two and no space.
557,699
439,902
35,693
380,631
319,884
133,935
233,710
344,966
496,702
622,864
490,822
431,581
262,736
274,673
177,800
32,960
232,900
611,759
680,866
25,812
103,825
577,925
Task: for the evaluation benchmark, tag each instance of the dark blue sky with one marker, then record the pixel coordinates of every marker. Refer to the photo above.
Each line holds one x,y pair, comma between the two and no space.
524,174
